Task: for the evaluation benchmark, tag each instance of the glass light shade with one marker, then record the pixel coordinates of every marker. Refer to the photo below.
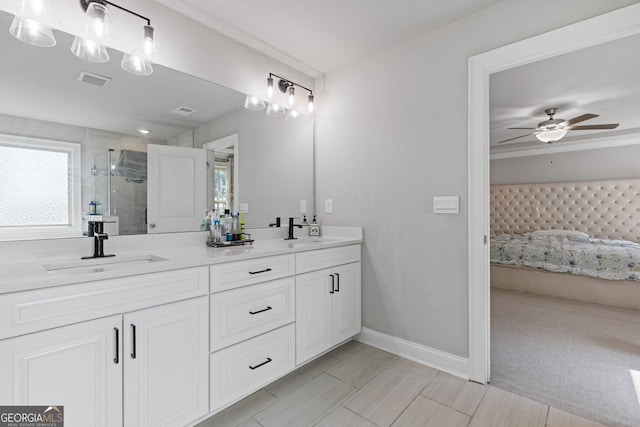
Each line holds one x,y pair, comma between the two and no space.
291,98
311,105
28,26
276,110
551,135
89,50
135,63
270,87
253,103
97,22
32,32
292,114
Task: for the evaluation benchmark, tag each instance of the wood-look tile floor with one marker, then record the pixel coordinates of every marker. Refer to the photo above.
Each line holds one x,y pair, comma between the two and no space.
357,385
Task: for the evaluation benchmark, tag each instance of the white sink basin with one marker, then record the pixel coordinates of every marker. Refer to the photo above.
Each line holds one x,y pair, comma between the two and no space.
99,265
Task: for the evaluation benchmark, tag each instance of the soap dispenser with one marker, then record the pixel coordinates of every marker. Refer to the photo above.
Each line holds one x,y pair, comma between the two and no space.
314,227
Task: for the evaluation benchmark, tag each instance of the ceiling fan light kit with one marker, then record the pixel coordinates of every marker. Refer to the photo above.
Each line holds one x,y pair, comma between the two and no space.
553,130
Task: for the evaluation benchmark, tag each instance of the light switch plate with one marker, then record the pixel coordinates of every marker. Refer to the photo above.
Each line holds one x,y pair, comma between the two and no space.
446,204
303,206
328,206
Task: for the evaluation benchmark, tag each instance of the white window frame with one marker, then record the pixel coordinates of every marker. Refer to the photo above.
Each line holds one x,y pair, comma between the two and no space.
74,227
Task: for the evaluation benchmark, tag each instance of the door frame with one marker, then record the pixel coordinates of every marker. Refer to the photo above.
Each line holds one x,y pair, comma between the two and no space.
226,142
610,26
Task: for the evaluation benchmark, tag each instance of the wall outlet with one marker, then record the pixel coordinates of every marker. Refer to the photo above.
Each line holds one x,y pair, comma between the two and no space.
303,206
328,206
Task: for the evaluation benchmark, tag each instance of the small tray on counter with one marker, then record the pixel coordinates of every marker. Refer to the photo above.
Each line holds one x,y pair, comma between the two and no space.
228,243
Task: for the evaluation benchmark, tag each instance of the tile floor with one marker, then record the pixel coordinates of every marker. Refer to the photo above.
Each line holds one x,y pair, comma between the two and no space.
357,385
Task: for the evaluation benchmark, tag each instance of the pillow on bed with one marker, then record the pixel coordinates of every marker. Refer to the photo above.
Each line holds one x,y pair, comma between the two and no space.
574,235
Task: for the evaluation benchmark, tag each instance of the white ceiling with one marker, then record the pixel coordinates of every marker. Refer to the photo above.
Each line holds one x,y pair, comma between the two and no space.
317,37
603,79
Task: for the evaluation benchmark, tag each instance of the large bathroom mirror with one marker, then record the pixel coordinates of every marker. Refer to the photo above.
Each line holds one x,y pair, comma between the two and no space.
51,97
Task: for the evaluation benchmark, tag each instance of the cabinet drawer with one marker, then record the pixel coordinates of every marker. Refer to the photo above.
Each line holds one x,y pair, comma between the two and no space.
246,367
241,273
30,311
324,258
243,313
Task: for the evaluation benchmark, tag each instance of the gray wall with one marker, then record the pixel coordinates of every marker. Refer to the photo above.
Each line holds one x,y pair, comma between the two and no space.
586,165
391,134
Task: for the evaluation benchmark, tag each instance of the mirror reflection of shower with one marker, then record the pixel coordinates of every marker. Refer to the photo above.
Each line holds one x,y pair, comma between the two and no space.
119,191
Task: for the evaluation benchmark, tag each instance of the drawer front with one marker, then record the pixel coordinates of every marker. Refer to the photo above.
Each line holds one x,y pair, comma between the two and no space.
31,311
246,367
242,273
325,258
243,313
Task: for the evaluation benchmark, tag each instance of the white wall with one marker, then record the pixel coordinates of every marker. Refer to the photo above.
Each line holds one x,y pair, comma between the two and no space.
391,134
586,165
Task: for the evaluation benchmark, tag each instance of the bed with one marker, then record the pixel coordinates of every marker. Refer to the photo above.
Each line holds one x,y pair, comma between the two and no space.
576,240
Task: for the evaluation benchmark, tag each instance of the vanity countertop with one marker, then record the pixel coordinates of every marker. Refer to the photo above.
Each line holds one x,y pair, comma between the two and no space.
32,274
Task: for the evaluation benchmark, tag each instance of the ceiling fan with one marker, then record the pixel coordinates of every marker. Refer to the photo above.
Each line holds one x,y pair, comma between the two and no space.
553,130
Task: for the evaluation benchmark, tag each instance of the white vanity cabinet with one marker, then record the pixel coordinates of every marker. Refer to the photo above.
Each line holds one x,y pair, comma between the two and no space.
327,299
144,367
252,326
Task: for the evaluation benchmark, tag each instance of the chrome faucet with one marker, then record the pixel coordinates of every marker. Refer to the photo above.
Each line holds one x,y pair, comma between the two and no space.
291,226
99,236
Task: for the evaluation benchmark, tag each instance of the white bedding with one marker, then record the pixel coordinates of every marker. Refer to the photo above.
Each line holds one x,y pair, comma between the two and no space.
605,259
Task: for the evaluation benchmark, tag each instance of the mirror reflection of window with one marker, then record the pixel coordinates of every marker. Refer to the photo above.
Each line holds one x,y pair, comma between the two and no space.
221,180
39,188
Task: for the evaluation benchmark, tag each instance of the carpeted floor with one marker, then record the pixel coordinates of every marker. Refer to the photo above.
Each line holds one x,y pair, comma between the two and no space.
579,357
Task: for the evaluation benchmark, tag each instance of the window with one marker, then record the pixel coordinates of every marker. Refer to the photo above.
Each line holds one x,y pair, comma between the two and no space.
39,188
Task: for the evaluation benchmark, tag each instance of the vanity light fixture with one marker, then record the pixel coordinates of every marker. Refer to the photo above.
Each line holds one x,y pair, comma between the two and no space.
287,86
91,46
27,26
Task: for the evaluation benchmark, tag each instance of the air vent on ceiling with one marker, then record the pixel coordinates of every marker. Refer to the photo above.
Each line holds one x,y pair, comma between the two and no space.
94,79
184,111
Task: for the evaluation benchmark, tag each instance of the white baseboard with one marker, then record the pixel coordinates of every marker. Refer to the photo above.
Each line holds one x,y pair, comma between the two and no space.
449,363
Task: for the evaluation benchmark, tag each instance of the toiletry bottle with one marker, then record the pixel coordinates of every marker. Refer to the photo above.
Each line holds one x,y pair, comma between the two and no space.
236,226
92,208
98,208
228,218
242,226
314,227
304,220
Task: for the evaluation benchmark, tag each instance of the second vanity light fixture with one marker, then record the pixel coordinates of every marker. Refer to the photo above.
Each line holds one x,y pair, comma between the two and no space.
28,27
274,109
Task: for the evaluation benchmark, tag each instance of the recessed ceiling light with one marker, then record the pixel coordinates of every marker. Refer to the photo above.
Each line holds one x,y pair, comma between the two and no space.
144,131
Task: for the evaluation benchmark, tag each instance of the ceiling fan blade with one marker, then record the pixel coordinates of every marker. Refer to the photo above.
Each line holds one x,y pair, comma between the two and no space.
595,127
523,128
581,118
511,139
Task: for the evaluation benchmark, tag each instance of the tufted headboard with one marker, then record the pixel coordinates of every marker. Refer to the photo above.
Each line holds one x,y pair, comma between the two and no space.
603,209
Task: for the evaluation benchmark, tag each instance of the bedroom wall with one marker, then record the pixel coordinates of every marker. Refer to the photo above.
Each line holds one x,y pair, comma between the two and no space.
391,134
586,165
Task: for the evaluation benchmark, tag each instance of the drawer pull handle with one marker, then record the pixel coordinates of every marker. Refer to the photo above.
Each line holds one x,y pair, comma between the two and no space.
116,359
260,271
133,339
333,284
337,282
260,364
261,311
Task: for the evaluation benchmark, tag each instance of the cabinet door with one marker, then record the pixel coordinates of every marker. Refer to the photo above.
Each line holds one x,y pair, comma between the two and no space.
347,320
76,366
313,314
166,364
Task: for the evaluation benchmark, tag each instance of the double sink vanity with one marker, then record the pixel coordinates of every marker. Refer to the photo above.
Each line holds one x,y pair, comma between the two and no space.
171,331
